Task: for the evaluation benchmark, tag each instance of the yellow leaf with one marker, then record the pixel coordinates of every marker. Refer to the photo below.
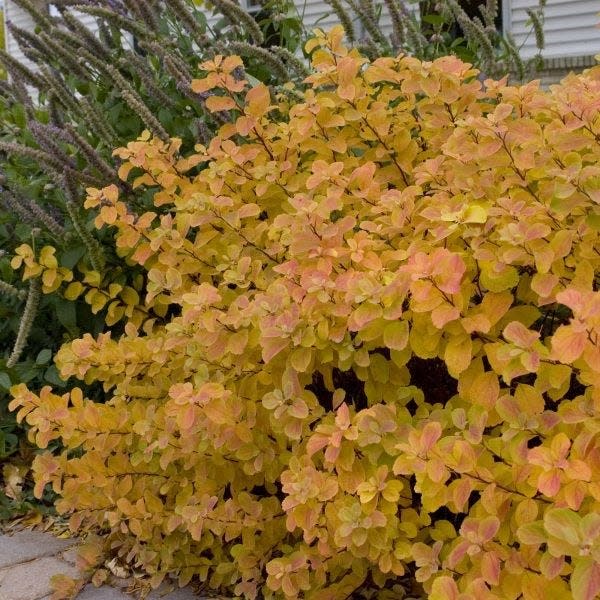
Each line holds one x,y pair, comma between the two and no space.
129,296
312,44
73,290
484,390
500,280
115,312
65,587
237,342
114,289
13,480
300,359
392,490
395,335
93,278
47,258
50,280
569,341
108,215
111,192
457,354
96,299
475,214
124,171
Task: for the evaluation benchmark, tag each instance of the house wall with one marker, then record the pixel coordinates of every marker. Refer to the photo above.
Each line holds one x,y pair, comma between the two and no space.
317,13
21,18
570,27
556,69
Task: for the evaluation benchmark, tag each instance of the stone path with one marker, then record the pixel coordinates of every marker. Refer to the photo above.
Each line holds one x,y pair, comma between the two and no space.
28,559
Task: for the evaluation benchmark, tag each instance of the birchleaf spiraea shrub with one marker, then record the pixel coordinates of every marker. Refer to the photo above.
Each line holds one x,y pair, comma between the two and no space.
380,366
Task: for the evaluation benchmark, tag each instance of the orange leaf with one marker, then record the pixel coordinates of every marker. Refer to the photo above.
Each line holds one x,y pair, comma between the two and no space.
569,341
519,335
219,103
258,100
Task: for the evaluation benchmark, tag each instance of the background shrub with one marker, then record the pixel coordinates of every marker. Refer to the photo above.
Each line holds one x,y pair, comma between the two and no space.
378,360
428,29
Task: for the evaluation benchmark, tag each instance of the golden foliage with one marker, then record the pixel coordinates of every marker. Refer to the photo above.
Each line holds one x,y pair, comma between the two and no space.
380,359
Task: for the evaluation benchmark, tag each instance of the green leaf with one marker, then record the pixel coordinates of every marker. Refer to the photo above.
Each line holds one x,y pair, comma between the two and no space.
563,524
8,443
5,382
52,376
433,19
26,371
593,221
165,117
83,87
43,357
18,114
114,113
532,534
69,258
67,315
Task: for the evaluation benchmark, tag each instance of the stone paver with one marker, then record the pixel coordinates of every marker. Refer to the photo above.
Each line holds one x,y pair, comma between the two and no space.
102,593
31,580
70,555
182,594
28,559
27,545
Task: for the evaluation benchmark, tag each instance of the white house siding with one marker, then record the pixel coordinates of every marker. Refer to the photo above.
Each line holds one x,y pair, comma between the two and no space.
317,13
17,16
570,27
88,20
21,18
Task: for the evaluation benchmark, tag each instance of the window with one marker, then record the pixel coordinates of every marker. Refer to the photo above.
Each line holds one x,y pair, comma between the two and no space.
470,7
252,6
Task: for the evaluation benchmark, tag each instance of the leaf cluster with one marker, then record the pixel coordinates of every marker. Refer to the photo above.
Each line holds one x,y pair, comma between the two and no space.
378,358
